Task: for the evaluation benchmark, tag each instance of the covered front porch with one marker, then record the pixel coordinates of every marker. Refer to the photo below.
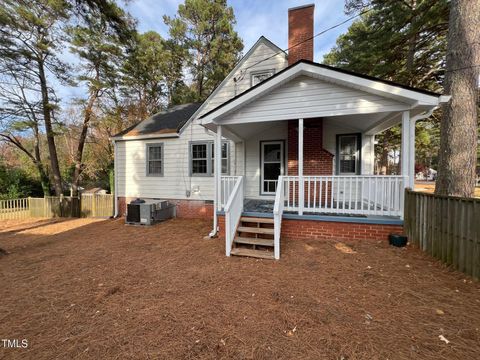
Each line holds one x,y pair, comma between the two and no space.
304,143
319,172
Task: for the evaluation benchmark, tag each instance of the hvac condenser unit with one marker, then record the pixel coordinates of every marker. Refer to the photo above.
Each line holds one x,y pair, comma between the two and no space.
141,212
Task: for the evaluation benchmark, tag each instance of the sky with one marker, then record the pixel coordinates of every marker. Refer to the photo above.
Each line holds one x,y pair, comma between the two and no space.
254,19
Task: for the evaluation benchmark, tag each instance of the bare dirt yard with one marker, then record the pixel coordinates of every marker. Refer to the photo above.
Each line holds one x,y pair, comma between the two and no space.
97,289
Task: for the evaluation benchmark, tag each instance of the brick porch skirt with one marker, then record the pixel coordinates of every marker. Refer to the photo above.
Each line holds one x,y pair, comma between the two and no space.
329,230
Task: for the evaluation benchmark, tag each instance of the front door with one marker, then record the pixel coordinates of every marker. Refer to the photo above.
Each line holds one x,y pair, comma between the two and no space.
271,162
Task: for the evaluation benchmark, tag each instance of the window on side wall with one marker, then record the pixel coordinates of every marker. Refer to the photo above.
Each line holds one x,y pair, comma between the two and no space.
202,158
348,154
258,76
155,159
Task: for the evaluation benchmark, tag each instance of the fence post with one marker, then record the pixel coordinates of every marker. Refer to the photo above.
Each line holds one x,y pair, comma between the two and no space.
94,205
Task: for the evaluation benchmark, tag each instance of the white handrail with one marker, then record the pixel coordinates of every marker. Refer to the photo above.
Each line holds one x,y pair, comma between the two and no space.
277,216
227,184
233,212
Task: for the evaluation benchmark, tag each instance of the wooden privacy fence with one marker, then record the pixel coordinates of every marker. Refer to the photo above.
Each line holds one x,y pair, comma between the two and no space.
87,205
446,227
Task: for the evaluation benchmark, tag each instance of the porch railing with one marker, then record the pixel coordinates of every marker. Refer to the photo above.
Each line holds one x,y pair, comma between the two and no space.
228,183
356,194
233,211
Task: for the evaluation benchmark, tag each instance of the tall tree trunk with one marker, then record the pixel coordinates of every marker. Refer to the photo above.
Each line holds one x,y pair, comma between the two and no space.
458,131
81,143
412,47
47,115
44,180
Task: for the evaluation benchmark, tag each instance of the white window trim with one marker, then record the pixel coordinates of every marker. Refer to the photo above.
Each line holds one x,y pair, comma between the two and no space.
147,157
260,72
210,158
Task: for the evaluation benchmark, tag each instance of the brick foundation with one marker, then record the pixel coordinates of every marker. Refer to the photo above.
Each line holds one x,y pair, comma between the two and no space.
221,226
329,230
187,209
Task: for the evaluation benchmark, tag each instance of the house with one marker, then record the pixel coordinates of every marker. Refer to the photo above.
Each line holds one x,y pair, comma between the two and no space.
283,148
94,191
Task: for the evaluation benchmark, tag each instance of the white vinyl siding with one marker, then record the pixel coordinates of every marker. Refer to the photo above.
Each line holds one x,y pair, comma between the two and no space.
132,180
308,97
278,131
243,74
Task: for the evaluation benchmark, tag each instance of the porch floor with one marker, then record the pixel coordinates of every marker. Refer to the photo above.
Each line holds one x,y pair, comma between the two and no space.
264,208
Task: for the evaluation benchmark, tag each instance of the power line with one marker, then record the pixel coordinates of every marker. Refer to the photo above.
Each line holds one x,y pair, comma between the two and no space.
303,41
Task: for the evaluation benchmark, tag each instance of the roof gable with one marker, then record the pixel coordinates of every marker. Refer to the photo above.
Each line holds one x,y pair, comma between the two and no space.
254,59
375,86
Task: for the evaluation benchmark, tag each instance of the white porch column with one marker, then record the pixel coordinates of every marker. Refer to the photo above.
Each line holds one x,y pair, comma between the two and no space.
405,154
301,183
218,167
411,157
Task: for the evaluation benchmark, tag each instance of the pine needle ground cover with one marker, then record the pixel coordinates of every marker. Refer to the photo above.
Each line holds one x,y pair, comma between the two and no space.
97,289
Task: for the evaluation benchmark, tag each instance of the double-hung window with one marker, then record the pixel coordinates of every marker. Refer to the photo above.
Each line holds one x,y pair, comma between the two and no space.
348,154
202,158
154,159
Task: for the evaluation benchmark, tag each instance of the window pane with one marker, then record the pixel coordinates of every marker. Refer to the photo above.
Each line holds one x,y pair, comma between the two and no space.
224,150
199,166
348,145
155,167
199,151
224,158
348,154
270,186
272,152
224,166
347,164
259,77
271,171
154,152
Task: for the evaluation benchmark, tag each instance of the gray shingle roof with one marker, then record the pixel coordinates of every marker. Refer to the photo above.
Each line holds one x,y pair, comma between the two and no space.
164,122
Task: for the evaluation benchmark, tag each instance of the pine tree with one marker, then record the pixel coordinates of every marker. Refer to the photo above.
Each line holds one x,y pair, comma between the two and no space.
459,128
30,39
403,41
100,49
205,29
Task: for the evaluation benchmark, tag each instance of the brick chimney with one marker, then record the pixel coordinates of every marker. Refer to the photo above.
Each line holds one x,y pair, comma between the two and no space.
300,28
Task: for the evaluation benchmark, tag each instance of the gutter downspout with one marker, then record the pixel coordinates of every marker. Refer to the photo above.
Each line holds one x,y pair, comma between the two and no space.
413,121
115,176
443,99
217,174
